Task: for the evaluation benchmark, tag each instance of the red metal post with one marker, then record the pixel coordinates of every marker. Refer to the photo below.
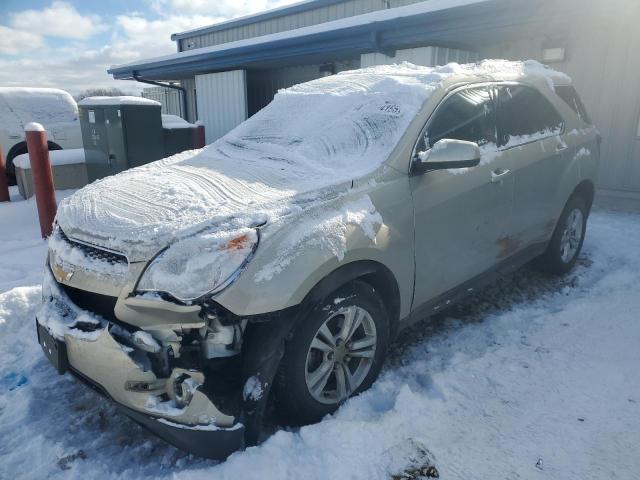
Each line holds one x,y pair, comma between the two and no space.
42,176
4,185
200,141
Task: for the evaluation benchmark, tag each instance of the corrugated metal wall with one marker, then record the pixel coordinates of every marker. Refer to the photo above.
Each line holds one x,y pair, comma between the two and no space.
262,85
602,58
322,14
221,101
169,98
427,56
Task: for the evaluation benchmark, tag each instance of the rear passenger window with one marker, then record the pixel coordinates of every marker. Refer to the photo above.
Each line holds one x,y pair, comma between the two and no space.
468,115
571,98
524,115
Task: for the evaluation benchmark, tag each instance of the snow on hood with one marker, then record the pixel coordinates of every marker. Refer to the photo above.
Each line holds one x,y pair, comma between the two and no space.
312,136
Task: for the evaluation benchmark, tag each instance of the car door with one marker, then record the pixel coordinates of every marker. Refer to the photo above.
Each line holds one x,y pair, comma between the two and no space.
462,217
530,132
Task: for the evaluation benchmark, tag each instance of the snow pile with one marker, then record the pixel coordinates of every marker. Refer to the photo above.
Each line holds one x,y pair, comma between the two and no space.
313,136
57,157
49,106
174,121
122,100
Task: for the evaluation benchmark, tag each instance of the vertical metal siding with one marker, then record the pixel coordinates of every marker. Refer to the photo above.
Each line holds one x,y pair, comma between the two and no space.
170,99
427,56
318,15
221,101
603,63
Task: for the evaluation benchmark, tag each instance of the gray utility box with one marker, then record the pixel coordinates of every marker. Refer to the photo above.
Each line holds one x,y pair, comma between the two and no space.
178,140
119,133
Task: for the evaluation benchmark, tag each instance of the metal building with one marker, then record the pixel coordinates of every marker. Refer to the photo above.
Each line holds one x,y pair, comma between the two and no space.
230,70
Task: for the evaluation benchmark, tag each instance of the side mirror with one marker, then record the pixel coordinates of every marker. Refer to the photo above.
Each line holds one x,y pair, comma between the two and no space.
446,154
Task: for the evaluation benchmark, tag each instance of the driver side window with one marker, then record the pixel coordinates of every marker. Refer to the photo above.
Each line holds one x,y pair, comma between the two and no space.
469,114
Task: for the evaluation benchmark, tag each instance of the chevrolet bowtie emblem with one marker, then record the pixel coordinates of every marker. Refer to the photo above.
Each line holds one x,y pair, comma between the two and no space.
62,273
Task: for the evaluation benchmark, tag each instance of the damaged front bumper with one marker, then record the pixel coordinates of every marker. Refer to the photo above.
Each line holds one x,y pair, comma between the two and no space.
83,344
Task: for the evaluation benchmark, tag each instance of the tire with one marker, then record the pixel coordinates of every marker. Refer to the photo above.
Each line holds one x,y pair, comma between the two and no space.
19,149
565,245
304,364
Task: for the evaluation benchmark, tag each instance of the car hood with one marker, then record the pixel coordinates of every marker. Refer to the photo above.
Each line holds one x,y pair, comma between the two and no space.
142,210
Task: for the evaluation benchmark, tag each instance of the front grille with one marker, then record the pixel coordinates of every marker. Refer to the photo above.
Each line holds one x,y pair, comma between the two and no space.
103,305
96,253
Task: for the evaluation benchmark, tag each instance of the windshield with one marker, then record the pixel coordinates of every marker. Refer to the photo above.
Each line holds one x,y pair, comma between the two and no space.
336,127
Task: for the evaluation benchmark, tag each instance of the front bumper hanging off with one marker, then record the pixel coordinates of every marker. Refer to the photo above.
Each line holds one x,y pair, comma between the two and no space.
98,359
207,441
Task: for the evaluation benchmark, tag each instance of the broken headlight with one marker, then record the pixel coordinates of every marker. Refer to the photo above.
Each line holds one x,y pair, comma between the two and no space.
199,265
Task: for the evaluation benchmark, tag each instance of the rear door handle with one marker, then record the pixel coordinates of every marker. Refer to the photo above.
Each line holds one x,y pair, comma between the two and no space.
561,147
499,174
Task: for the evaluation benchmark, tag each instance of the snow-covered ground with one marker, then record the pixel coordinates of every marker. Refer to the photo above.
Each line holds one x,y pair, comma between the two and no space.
533,378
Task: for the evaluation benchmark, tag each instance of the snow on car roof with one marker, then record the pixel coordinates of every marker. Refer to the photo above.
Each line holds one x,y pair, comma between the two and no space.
21,105
122,100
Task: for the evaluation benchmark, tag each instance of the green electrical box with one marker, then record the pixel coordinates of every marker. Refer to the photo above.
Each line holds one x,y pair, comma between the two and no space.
119,133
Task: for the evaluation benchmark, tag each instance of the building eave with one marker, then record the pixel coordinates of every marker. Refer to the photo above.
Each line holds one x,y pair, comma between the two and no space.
439,27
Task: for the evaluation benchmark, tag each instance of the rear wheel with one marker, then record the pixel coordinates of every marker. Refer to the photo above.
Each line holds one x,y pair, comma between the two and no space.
20,149
335,352
567,240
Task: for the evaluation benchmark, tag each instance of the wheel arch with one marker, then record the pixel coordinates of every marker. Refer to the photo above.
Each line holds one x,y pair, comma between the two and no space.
372,272
21,148
586,190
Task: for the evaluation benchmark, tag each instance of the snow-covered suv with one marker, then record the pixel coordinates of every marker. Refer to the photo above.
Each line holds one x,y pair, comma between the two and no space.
53,108
280,261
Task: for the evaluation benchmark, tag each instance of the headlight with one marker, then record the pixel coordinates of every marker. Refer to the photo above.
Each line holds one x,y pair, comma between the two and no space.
204,263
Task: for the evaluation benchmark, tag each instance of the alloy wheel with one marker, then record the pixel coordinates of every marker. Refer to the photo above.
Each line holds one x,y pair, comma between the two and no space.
572,235
340,355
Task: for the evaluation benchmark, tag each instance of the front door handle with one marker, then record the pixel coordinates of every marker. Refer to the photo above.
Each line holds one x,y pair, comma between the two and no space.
499,174
561,147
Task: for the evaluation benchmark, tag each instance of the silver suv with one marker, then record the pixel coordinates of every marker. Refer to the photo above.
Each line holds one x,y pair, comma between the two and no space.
279,262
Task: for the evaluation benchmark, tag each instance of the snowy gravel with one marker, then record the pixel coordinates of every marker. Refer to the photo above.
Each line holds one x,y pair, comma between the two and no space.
535,377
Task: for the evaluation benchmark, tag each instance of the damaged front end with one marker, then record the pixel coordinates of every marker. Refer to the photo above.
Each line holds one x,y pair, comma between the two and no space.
193,374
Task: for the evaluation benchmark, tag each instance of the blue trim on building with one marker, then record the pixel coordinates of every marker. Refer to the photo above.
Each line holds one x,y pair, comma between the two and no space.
441,27
258,17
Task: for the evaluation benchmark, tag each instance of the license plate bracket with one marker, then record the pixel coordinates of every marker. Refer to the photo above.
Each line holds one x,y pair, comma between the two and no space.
55,350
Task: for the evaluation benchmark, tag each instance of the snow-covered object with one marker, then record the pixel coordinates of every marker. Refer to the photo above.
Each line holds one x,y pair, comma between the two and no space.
174,121
122,100
312,136
33,127
49,106
57,157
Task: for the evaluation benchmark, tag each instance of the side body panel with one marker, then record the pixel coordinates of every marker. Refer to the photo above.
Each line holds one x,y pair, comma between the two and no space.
462,225
292,258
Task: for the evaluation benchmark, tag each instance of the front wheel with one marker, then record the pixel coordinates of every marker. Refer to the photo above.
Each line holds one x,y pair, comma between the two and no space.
334,353
567,240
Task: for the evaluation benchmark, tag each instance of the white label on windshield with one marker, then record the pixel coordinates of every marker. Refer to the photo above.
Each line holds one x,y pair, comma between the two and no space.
92,116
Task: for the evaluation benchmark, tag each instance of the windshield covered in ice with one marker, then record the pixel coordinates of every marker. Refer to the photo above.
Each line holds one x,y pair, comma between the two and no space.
343,126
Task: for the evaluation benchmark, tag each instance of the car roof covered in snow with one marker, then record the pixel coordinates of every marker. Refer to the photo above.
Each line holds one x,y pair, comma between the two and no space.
44,105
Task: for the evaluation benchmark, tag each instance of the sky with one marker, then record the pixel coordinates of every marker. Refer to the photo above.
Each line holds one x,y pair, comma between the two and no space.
70,44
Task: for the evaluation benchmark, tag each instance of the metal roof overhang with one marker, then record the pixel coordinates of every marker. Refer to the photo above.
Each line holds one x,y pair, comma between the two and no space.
458,26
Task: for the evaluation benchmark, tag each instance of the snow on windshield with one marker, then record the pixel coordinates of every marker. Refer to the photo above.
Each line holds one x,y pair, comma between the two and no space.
334,128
